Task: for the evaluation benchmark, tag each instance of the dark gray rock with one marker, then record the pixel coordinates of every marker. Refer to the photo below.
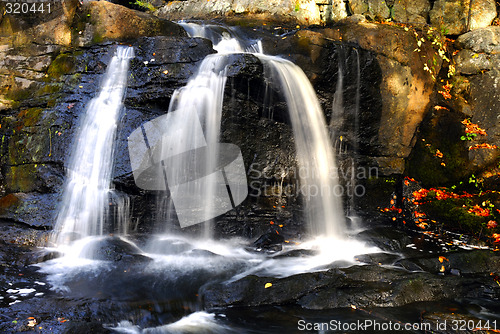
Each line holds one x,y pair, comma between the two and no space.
113,249
361,286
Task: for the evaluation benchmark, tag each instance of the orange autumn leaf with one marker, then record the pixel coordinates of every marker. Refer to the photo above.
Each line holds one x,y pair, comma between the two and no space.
423,226
439,154
420,194
442,259
496,236
445,94
484,145
440,108
473,128
478,211
446,90
491,224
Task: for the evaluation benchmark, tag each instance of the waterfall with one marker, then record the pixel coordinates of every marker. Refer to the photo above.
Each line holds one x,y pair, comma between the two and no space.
318,169
224,39
86,196
345,125
314,149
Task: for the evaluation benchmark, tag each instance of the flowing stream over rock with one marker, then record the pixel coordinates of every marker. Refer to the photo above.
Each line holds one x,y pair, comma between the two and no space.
166,154
314,150
84,208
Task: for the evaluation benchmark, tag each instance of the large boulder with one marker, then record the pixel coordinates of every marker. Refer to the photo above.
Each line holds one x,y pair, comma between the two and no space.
104,21
70,22
303,12
411,11
484,40
455,17
405,89
359,286
372,9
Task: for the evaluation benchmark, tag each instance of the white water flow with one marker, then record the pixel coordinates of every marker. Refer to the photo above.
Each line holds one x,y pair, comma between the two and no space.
86,194
317,167
192,124
319,182
224,39
193,121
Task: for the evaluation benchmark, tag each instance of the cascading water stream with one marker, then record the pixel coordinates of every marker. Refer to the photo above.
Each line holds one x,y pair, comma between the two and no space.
345,126
314,149
192,126
316,160
168,271
86,194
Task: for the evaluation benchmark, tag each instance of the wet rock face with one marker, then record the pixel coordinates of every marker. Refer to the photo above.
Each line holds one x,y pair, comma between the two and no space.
396,89
359,286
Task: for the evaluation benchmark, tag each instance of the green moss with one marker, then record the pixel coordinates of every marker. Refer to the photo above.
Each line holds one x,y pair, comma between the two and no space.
16,95
22,178
29,117
49,89
439,134
97,38
454,212
63,64
145,5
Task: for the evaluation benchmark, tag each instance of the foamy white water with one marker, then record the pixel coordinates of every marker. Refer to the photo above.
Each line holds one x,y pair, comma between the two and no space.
224,39
198,322
85,197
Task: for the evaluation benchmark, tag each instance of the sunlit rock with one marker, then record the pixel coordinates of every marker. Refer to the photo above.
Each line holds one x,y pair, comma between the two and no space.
452,17
411,11
372,9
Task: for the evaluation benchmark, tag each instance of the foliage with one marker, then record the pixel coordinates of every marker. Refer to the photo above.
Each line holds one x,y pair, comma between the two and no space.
144,4
439,42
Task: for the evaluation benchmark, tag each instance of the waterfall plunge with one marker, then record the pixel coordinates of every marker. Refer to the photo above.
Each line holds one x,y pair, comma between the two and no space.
314,149
86,194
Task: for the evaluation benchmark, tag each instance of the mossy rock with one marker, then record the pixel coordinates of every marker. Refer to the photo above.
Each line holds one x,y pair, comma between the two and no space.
454,212
440,157
62,64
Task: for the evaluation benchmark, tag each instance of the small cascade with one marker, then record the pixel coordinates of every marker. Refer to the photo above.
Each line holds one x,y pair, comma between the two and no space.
337,118
224,39
186,141
314,149
87,193
194,122
345,124
205,178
